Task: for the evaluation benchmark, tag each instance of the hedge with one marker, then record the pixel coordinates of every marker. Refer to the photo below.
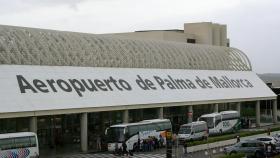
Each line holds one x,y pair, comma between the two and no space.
230,136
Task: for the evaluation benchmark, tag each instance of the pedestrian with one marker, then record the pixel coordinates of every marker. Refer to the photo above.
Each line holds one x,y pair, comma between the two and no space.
124,147
161,141
268,131
98,143
185,149
138,145
237,139
269,149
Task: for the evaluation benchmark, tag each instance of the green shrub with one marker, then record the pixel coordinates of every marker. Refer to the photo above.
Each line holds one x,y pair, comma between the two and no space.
238,155
213,139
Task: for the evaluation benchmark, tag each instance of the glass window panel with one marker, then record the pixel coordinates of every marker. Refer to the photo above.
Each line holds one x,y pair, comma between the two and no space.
22,142
6,144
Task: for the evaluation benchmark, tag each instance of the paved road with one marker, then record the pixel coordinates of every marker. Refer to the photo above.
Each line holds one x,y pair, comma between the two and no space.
157,154
200,151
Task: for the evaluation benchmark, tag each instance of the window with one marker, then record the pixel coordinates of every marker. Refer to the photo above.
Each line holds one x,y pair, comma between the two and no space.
22,142
264,139
185,130
133,130
244,145
33,142
190,40
18,142
6,144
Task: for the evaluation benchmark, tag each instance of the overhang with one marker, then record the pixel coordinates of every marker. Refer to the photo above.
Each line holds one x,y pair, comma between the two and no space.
50,90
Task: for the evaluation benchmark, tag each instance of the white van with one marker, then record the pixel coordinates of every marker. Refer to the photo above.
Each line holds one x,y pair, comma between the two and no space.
21,145
193,131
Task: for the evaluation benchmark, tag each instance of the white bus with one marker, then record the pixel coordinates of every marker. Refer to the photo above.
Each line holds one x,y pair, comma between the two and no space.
19,145
223,122
130,132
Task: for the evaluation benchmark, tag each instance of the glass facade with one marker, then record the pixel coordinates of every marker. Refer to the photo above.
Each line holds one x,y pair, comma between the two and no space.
59,131
14,125
97,124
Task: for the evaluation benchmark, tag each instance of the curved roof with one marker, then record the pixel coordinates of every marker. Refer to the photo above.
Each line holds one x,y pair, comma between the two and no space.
29,46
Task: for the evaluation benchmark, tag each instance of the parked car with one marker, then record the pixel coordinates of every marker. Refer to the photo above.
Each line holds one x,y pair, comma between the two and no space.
193,131
249,147
276,136
267,140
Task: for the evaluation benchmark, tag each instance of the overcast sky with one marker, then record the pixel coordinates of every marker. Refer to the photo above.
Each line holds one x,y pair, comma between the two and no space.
253,25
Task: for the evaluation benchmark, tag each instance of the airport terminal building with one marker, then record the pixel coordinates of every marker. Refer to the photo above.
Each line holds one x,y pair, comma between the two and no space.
69,87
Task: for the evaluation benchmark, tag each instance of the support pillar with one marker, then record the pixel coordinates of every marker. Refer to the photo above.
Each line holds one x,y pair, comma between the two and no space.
258,114
125,116
274,111
216,107
160,113
190,113
238,107
33,124
84,132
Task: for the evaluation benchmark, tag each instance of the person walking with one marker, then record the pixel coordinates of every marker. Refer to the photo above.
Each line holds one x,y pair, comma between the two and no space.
124,147
185,149
268,131
237,139
98,143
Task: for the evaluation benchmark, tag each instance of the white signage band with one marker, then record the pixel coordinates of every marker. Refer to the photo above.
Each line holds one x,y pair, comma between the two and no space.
37,88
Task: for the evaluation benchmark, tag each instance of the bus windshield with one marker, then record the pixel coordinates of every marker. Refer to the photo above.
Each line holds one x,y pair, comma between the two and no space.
185,130
115,134
208,120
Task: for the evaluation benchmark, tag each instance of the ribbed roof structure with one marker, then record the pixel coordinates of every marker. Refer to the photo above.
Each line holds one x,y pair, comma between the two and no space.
29,46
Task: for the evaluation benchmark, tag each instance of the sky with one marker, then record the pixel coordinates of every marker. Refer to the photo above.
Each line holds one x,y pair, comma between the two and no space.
253,25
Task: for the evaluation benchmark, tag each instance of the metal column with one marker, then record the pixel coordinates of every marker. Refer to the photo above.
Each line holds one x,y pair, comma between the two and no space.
258,114
274,110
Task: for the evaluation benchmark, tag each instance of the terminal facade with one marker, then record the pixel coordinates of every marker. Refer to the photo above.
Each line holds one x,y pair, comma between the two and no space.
69,87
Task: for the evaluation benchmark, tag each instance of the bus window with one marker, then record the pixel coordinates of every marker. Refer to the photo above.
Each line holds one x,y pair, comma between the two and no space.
22,142
166,125
132,130
32,141
217,120
150,127
6,144
208,120
116,134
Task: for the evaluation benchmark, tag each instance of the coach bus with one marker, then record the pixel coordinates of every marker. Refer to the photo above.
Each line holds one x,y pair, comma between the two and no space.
130,132
21,145
223,122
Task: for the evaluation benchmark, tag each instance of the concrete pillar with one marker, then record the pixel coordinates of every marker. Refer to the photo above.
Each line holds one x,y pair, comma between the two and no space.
33,124
274,110
238,107
190,113
84,132
216,107
258,114
125,116
160,113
